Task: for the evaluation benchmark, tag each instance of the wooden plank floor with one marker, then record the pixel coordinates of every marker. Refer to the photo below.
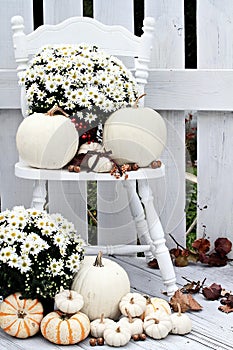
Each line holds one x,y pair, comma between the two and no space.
212,329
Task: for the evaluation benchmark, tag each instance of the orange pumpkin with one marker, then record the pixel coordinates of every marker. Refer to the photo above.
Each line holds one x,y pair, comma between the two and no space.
60,328
20,317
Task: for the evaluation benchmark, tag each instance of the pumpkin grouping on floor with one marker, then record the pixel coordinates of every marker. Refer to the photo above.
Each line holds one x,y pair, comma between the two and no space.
127,316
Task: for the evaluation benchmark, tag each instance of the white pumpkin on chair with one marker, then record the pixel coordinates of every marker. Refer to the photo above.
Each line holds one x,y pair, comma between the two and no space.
47,141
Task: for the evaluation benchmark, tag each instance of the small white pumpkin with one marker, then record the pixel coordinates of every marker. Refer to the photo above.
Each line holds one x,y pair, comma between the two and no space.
157,328
181,323
90,146
69,301
99,165
116,335
135,303
46,140
135,325
135,135
156,305
98,326
102,283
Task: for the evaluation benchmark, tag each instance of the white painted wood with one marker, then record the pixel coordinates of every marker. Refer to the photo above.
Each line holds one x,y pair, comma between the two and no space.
215,142
56,11
168,52
9,9
13,191
67,198
167,89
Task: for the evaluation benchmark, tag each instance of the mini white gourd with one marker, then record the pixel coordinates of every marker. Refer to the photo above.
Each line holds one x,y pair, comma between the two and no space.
101,164
181,323
135,135
135,325
157,328
69,301
98,326
116,335
90,146
135,303
47,141
156,305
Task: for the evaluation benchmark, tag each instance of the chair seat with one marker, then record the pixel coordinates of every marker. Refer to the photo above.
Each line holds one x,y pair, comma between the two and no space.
24,171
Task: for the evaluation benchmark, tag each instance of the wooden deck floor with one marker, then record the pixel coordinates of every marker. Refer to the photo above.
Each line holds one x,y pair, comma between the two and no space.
212,329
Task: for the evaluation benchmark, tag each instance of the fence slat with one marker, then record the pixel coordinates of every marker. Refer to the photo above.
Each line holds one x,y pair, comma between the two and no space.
115,224
13,191
8,10
215,142
56,11
67,198
168,52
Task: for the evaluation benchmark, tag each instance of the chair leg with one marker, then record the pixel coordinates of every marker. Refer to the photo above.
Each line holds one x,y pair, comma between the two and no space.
138,214
39,194
159,248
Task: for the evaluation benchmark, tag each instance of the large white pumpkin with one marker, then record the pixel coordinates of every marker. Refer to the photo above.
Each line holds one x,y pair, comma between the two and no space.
135,135
102,287
47,141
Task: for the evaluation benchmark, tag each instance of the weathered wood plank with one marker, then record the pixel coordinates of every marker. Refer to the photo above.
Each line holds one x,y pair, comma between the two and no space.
67,198
56,11
215,142
168,52
167,89
9,9
115,224
13,191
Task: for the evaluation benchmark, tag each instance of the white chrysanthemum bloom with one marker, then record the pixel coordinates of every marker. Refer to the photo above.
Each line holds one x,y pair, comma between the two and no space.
59,239
56,267
14,260
33,212
24,263
6,253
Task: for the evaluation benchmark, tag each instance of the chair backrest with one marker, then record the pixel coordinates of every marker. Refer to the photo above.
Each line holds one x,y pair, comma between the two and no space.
115,40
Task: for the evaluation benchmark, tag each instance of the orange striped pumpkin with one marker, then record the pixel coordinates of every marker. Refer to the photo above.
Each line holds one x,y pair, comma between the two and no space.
20,317
60,328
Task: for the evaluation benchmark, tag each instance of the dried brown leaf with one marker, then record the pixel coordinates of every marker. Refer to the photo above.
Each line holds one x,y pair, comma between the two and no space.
186,301
226,308
222,246
202,245
213,292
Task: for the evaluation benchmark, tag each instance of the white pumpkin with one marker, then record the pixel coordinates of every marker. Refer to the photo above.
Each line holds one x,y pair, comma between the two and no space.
135,325
69,301
98,326
116,335
181,323
133,303
90,146
102,283
100,165
157,328
46,140
156,305
135,135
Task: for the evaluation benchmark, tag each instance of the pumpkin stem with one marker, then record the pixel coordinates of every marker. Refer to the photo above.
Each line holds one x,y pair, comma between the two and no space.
148,301
55,109
132,300
102,318
135,105
21,314
118,330
98,260
179,309
129,315
154,319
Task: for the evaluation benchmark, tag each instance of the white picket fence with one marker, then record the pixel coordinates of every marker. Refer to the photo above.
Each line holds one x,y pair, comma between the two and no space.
171,90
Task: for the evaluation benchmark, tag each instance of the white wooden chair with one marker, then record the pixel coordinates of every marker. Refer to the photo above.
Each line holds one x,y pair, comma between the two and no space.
117,41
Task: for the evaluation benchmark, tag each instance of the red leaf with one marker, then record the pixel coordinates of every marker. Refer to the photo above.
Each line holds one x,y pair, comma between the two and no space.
202,245
222,246
212,292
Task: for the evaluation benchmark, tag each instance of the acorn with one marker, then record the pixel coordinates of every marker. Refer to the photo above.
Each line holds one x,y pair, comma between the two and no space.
93,342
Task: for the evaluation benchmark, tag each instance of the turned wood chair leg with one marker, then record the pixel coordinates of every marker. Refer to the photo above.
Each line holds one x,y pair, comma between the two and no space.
39,194
159,248
138,214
